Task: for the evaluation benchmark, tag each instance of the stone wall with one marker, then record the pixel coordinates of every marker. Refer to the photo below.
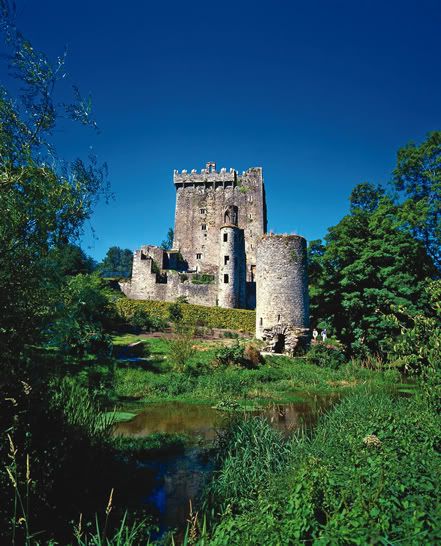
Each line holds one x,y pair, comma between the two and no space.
282,310
201,202
147,284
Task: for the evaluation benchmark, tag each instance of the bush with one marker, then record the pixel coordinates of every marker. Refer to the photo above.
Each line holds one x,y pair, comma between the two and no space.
181,347
202,278
175,312
212,317
326,356
143,321
233,355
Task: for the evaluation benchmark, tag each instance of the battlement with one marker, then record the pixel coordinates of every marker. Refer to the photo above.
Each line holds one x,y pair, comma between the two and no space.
205,175
209,175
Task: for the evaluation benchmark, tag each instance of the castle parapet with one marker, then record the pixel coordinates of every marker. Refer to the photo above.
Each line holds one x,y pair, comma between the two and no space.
204,176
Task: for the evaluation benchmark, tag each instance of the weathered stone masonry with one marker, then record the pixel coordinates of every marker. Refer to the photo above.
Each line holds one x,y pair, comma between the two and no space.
220,231
282,311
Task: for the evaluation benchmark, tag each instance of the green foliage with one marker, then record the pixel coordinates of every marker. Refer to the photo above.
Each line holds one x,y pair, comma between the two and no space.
167,243
44,203
247,356
202,379
326,356
181,347
142,321
368,475
84,309
70,259
126,534
231,354
418,347
158,443
175,312
418,178
117,263
370,263
80,408
202,278
212,317
249,451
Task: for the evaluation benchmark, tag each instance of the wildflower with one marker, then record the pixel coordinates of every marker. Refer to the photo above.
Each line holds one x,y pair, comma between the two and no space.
372,441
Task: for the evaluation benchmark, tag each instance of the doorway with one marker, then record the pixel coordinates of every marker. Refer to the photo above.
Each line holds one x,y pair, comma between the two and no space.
279,346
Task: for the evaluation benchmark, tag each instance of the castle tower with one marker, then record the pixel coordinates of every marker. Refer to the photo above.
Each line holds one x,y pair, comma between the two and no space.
232,264
282,311
202,200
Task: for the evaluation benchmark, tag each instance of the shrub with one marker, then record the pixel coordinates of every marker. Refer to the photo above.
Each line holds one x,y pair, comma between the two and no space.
325,356
143,321
202,278
212,317
181,347
175,312
232,355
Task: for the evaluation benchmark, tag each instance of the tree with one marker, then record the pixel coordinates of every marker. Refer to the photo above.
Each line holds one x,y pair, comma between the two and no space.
418,179
44,201
370,262
167,243
117,262
70,259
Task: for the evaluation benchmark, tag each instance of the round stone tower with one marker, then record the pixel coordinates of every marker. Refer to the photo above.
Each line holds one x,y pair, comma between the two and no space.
282,310
232,267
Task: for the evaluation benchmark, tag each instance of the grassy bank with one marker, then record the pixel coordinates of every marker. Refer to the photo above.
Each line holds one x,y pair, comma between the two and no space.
278,379
367,475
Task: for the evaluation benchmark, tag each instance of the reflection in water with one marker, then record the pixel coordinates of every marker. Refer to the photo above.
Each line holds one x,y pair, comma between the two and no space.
180,478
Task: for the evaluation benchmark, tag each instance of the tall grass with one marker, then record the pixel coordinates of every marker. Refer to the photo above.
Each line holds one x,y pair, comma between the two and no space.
367,475
81,409
249,451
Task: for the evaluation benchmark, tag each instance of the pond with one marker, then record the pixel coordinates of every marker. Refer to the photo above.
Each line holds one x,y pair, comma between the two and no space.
179,478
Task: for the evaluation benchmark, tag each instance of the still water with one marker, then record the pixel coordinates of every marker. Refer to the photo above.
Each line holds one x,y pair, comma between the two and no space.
179,478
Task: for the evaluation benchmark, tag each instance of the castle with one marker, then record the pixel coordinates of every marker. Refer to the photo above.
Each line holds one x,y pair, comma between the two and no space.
222,256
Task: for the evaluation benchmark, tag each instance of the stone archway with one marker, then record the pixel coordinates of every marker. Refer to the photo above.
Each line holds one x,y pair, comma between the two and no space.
285,339
279,345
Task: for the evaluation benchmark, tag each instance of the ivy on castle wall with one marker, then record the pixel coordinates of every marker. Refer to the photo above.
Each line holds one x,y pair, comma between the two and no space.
212,317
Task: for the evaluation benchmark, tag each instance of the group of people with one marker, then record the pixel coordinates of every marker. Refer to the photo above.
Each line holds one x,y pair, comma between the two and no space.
315,334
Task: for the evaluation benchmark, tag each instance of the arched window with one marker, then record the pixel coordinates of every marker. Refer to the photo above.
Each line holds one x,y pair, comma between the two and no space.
231,215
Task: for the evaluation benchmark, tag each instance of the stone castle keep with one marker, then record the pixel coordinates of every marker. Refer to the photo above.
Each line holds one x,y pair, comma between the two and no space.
222,256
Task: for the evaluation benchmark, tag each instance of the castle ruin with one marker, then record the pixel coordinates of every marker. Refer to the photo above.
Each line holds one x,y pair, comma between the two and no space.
222,256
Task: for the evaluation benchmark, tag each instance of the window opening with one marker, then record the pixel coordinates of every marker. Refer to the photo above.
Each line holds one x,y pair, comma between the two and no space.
261,321
203,211
198,256
226,260
204,227
226,278
225,237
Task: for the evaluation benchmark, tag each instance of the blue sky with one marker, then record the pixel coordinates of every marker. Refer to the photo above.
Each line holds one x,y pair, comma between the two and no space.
320,94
